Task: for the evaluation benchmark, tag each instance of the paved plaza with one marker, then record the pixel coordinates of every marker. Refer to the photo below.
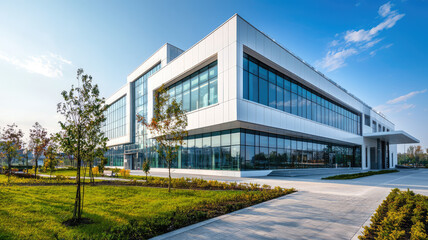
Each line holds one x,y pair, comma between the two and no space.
321,209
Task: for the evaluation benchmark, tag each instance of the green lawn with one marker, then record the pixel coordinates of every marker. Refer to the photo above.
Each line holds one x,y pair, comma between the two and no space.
36,212
358,175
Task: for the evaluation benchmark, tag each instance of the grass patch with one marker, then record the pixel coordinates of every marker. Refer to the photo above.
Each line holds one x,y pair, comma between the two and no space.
358,175
402,215
36,212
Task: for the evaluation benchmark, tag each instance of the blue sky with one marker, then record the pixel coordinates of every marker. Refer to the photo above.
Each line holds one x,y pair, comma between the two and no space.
375,49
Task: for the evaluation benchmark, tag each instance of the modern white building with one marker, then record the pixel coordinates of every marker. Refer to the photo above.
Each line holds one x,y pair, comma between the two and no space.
253,107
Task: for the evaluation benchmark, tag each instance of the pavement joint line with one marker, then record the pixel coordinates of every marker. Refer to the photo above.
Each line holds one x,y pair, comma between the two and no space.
203,223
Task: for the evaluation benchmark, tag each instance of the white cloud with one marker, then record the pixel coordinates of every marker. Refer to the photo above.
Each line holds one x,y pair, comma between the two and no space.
394,108
50,65
372,53
396,105
359,40
334,60
371,43
385,9
405,97
366,35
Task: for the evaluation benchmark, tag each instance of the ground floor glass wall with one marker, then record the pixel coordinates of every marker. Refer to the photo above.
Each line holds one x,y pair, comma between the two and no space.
241,149
115,156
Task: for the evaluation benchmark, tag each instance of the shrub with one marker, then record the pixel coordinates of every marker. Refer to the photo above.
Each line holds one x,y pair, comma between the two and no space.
61,177
358,175
402,215
95,171
124,173
146,168
115,171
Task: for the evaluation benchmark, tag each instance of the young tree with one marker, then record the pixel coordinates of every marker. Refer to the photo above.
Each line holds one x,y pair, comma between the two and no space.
96,141
51,157
83,111
10,144
411,154
146,168
64,147
419,152
38,143
168,127
101,164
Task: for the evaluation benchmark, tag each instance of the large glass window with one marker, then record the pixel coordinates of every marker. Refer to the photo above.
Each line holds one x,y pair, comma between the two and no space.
197,90
267,86
263,91
115,124
140,94
275,151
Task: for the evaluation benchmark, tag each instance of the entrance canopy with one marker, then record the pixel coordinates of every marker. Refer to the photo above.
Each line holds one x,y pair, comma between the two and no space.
394,137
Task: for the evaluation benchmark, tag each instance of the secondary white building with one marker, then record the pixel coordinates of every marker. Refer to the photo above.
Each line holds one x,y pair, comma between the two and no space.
253,107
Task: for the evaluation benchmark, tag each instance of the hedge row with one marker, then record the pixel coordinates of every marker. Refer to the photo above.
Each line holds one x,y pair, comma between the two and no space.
358,175
402,215
181,217
199,183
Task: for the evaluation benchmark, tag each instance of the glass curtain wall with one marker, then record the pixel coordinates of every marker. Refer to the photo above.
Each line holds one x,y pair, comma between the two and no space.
141,93
115,124
197,90
115,155
241,149
266,86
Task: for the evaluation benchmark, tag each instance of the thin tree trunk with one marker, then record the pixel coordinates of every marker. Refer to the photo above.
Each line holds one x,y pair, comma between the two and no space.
76,212
91,174
9,164
37,165
83,193
169,176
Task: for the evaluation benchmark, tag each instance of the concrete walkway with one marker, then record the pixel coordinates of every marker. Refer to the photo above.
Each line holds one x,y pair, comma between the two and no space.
334,209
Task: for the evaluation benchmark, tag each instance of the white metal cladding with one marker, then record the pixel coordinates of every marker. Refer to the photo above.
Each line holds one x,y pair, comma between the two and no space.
219,45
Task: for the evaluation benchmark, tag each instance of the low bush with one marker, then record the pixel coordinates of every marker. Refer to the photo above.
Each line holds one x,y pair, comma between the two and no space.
181,217
95,171
61,177
402,215
125,173
199,183
358,175
115,171
29,180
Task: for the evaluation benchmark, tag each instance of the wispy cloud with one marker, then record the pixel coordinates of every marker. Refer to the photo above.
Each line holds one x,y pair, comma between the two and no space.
336,59
50,65
385,108
353,42
372,53
405,97
399,104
